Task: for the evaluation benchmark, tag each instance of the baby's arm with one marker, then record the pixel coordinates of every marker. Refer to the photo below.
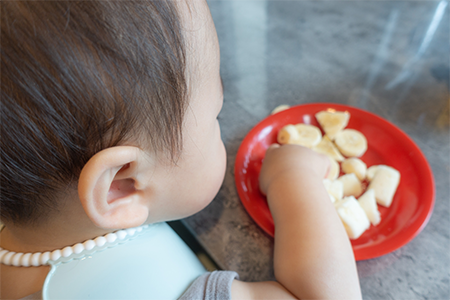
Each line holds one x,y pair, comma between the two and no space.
313,255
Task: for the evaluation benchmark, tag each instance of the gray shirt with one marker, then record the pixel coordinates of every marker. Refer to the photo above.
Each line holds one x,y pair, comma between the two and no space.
214,285
211,286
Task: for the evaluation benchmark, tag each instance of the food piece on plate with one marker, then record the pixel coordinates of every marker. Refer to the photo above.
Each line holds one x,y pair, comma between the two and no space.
309,135
287,135
356,166
327,147
369,205
279,108
332,121
352,185
352,216
334,169
351,142
334,188
332,199
385,183
370,173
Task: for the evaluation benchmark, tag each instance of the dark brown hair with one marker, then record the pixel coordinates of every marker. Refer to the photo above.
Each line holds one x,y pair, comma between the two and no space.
78,77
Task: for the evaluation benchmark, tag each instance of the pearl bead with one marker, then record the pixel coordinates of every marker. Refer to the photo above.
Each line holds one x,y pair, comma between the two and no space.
66,252
78,248
7,258
3,253
25,261
89,245
45,257
35,259
121,234
55,255
100,241
131,231
15,261
111,237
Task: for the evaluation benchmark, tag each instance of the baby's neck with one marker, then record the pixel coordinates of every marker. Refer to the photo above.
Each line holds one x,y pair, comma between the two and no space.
21,239
57,233
18,282
69,226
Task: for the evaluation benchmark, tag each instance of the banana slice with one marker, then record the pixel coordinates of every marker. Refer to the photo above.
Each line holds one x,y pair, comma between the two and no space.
327,147
309,135
385,183
334,188
369,205
279,108
332,121
370,173
356,166
352,185
334,169
351,143
352,216
288,134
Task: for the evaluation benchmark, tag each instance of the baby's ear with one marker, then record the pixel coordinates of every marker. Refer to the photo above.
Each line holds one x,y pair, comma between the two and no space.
108,190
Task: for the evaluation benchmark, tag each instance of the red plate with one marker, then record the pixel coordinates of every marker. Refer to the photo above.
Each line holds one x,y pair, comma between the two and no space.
413,202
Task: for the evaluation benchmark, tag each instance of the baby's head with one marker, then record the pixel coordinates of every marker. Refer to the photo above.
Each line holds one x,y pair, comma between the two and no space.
111,106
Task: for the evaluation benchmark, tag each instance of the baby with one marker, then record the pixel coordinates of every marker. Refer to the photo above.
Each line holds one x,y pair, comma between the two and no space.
109,129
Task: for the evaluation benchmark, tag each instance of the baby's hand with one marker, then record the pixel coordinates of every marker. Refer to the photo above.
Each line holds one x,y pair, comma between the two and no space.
291,162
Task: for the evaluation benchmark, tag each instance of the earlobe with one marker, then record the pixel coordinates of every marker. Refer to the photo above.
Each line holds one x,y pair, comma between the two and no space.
107,188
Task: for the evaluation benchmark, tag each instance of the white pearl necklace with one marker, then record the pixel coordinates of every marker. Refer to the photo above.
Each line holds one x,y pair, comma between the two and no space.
37,259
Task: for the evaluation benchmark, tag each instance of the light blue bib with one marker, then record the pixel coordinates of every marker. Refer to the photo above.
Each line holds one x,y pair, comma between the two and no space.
153,264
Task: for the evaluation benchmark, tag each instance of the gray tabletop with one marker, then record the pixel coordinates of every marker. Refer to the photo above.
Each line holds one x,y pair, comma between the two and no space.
389,58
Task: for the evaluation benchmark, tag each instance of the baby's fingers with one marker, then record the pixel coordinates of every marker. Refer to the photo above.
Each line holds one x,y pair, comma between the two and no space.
273,146
292,160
